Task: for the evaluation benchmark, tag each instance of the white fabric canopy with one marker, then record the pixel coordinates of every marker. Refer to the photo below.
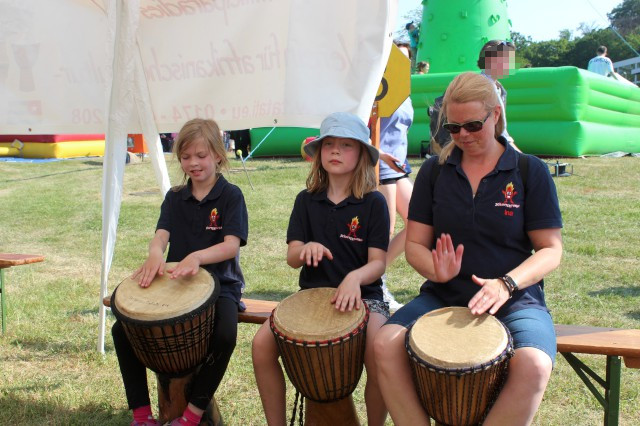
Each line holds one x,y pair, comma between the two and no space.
148,66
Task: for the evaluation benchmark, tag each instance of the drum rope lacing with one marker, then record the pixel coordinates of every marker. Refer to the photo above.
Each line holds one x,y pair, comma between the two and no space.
449,413
172,346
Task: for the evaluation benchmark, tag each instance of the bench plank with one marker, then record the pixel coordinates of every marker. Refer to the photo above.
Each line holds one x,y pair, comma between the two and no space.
600,341
10,259
258,311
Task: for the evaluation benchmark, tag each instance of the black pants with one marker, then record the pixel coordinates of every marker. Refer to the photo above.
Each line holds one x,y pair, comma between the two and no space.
223,342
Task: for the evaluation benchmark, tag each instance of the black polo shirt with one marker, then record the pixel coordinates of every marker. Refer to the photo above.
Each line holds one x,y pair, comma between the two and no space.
492,226
196,225
347,229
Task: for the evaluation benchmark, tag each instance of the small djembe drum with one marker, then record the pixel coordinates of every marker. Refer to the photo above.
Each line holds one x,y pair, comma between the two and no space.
322,350
459,363
169,325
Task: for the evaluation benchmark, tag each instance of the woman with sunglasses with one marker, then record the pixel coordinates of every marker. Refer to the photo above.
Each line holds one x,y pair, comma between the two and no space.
482,240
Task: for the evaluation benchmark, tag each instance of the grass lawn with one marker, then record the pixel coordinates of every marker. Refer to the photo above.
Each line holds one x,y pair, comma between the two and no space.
51,373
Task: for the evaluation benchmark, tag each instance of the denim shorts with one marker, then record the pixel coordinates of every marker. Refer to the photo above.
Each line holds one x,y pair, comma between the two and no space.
529,327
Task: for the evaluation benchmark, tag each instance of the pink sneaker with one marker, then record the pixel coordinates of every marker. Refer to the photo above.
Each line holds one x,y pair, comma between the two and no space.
149,422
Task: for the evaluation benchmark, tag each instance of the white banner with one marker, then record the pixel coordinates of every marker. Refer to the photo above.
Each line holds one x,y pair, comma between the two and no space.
244,63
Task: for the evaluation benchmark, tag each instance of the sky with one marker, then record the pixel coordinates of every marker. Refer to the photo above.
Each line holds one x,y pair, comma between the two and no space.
542,19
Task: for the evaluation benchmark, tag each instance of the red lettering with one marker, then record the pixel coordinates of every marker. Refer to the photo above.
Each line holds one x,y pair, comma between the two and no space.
508,213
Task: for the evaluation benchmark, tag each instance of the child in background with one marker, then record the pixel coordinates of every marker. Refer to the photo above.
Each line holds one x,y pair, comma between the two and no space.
184,225
341,186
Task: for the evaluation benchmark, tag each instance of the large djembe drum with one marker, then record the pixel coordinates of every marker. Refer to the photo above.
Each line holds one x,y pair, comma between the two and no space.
169,325
459,363
322,350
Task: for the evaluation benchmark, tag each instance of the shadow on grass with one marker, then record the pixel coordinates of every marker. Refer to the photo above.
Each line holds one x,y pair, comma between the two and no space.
16,410
39,344
617,291
47,175
267,295
634,315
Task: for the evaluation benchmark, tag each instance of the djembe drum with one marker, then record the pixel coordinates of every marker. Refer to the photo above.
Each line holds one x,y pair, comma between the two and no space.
459,363
322,350
169,326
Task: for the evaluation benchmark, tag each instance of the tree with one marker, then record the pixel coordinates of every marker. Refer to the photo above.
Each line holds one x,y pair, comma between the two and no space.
625,17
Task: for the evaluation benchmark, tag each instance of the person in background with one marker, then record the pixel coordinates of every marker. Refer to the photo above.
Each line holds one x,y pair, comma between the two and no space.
414,38
422,67
394,181
497,61
602,65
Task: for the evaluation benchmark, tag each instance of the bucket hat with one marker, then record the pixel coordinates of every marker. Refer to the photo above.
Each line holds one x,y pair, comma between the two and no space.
343,125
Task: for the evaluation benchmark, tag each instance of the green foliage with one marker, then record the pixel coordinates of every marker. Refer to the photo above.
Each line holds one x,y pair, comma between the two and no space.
625,17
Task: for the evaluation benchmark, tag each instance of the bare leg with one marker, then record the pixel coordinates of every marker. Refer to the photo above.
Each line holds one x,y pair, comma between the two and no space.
269,376
389,192
376,410
404,187
529,372
394,377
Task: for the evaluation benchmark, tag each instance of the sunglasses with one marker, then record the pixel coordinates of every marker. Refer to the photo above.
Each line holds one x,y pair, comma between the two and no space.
469,126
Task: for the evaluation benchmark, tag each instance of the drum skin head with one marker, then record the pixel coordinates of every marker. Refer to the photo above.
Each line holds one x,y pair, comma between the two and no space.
455,338
309,316
164,298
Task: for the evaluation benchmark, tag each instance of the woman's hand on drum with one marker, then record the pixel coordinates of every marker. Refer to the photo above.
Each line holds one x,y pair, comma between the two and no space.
446,260
312,253
188,266
490,298
151,267
348,294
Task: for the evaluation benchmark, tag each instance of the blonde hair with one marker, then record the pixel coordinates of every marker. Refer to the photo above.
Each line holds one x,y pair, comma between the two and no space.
363,179
209,132
469,87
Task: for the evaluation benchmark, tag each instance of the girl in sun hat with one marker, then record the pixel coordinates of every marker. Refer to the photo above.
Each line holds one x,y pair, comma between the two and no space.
333,252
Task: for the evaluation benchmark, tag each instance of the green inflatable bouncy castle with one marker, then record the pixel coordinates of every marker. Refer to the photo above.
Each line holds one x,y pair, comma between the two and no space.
563,111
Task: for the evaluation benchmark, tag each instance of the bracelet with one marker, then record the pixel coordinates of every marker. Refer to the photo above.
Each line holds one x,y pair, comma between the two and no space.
511,282
509,289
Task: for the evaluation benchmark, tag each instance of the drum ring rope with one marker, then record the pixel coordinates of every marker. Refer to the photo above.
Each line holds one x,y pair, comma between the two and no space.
507,353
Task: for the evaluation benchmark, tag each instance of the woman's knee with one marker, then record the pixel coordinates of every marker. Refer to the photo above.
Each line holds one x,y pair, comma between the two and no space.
531,366
388,342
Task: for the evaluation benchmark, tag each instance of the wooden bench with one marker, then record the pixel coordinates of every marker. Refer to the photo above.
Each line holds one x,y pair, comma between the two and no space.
8,260
614,343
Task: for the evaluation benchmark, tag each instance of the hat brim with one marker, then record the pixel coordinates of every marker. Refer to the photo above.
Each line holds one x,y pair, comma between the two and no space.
311,148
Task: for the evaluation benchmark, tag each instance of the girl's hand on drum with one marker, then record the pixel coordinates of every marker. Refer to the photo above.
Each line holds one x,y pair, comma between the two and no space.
446,260
492,296
147,272
347,295
188,266
312,253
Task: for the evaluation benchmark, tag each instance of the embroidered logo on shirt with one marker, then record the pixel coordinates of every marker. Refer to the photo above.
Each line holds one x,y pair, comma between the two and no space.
353,226
509,192
213,220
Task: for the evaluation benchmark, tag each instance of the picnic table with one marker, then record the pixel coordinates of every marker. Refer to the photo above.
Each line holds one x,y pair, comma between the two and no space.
8,260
